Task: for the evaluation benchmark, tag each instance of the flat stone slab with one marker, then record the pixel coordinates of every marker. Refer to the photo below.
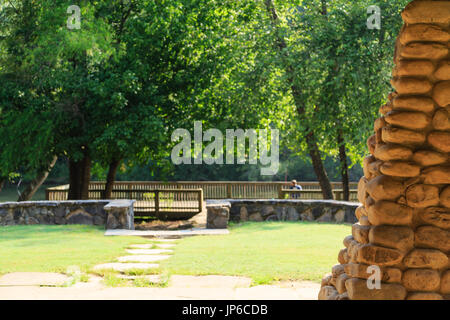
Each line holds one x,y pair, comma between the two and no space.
211,281
142,246
164,240
160,233
143,258
148,251
33,279
165,245
122,267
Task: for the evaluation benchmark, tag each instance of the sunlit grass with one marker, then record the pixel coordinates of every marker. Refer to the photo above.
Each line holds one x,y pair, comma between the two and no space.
55,248
265,252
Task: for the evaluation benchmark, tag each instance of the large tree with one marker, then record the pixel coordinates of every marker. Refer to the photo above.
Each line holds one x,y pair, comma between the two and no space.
115,90
117,87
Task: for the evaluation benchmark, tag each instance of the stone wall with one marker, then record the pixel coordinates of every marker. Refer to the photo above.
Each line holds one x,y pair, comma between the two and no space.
112,214
289,210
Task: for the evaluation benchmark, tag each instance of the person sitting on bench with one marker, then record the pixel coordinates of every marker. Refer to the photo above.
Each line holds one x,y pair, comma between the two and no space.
295,186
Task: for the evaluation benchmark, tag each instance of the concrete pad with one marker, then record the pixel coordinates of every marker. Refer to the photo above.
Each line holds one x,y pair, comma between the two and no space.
298,285
143,258
172,293
169,237
149,251
122,267
33,279
165,245
308,293
211,281
95,282
306,290
164,240
130,293
265,293
222,289
106,293
160,233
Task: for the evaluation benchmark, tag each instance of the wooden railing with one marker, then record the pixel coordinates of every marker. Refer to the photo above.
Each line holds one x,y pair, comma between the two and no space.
173,203
149,202
211,190
317,194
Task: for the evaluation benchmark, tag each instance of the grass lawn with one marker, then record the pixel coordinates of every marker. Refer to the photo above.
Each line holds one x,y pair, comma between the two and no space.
54,248
263,251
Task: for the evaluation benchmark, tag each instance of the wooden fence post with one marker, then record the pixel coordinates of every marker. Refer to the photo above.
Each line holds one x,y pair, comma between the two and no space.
280,191
157,202
200,200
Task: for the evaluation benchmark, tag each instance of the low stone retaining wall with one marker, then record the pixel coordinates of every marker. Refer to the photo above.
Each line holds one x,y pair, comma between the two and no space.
284,210
113,214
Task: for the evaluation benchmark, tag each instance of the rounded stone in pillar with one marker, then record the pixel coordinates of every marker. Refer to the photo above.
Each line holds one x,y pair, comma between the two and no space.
421,280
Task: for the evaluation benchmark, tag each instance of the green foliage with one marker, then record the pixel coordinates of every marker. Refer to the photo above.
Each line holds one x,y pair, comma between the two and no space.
138,69
342,68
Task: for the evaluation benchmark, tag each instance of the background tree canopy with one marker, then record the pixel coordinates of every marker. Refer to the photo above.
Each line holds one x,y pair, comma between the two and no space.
104,99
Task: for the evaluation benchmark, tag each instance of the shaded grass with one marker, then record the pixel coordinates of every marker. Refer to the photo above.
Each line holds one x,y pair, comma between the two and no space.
265,252
43,248
9,193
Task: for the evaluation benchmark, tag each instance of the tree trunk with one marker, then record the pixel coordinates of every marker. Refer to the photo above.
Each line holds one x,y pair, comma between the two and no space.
344,167
74,181
319,169
111,177
79,176
2,183
86,177
311,139
34,185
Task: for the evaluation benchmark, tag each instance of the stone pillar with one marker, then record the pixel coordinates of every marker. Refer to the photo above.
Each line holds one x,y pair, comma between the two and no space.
404,220
120,214
217,215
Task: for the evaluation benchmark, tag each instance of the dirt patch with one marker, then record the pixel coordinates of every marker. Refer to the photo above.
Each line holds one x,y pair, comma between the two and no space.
197,221
165,225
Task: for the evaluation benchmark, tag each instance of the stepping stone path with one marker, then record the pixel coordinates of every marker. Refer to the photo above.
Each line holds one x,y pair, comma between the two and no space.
141,258
148,251
141,246
122,267
165,245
